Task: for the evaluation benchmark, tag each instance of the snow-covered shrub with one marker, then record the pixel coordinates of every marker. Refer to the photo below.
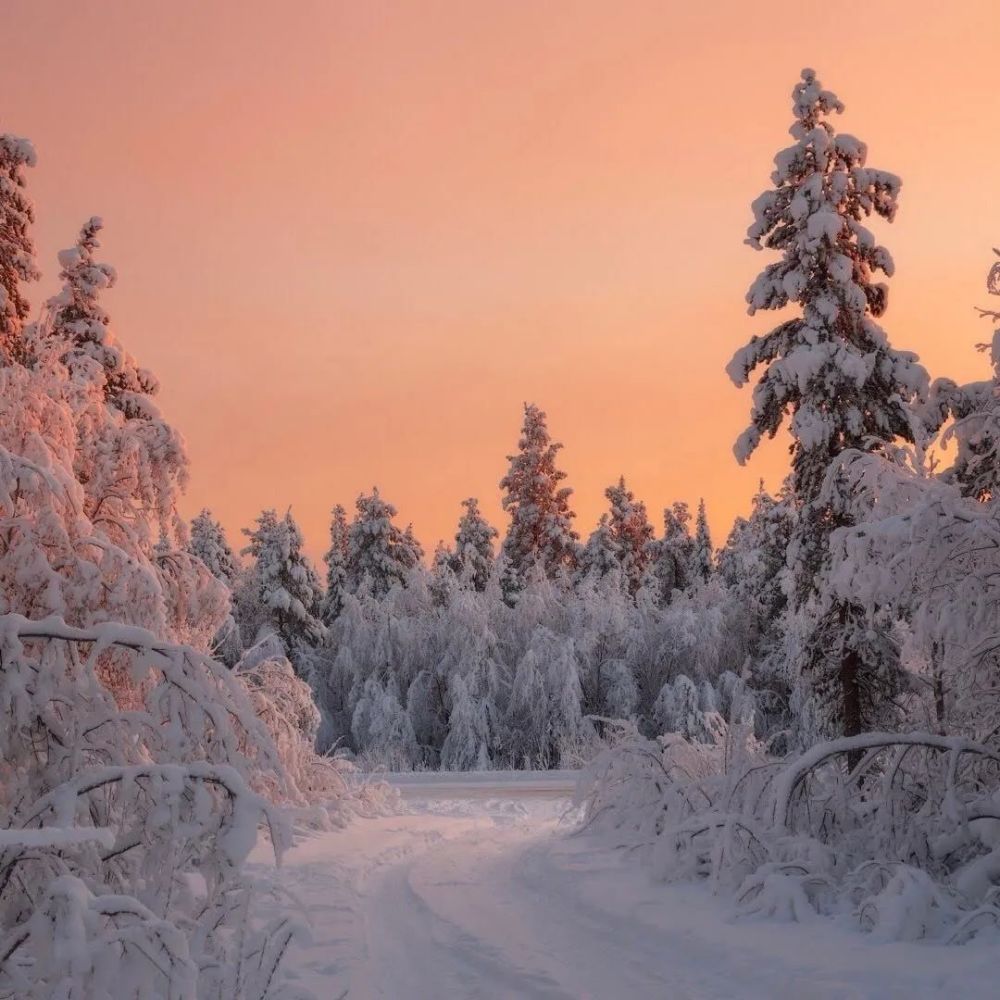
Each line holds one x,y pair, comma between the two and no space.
908,841
123,833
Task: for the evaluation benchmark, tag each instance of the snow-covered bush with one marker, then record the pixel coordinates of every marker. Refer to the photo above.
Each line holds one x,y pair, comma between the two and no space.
123,833
908,841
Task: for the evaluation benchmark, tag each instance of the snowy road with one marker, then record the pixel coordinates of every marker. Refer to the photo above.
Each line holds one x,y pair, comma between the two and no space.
477,891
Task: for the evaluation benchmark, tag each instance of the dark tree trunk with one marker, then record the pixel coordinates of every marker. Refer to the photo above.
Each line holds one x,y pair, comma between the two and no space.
938,679
850,701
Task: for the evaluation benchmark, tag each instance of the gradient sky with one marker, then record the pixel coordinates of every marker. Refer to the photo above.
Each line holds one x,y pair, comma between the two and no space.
352,238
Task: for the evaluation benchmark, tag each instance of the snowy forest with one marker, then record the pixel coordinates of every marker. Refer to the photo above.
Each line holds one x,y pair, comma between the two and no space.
805,712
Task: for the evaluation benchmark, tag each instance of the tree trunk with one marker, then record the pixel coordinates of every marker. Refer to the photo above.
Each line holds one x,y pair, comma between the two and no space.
850,701
938,681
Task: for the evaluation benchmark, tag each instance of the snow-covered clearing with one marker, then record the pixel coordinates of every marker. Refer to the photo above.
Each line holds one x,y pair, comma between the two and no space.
476,890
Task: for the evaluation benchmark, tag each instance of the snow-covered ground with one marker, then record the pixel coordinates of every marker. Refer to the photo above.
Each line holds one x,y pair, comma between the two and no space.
476,890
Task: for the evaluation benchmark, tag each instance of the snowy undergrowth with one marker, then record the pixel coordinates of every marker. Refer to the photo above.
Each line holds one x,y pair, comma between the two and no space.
124,832
906,843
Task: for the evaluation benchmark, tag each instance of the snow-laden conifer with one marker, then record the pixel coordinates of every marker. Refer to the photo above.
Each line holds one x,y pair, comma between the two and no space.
336,566
673,554
284,583
704,554
631,533
831,368
540,531
832,372
17,250
599,557
442,582
473,558
208,543
79,320
379,555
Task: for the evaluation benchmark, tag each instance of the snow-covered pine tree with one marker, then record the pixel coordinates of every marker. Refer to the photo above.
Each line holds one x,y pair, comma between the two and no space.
284,583
673,554
442,582
632,534
131,472
379,555
82,324
753,559
704,554
17,251
208,543
752,566
132,462
412,552
540,531
600,555
831,368
336,566
473,559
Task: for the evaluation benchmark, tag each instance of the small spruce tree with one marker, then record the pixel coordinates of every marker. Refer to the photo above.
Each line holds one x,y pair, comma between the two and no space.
207,541
285,583
473,559
82,324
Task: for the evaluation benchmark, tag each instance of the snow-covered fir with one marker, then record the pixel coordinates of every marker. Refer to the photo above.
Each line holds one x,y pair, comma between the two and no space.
833,373
282,589
336,560
473,558
540,533
17,249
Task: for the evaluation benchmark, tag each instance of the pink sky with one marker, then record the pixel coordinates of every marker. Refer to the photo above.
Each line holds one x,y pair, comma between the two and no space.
352,238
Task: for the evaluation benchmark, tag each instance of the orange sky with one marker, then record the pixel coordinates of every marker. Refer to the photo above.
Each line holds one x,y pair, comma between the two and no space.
352,238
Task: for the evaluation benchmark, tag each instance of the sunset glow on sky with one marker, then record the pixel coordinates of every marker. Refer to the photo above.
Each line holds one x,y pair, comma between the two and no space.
352,238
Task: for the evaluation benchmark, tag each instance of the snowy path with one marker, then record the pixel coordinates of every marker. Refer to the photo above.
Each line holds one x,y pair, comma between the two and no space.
477,892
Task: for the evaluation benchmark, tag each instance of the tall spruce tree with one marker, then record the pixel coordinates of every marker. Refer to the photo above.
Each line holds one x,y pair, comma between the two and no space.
831,370
540,532
473,559
17,251
336,566
704,554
